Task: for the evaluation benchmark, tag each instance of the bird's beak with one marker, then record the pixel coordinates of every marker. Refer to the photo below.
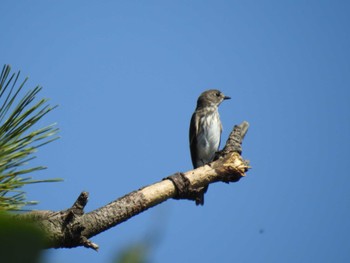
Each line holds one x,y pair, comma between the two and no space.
227,98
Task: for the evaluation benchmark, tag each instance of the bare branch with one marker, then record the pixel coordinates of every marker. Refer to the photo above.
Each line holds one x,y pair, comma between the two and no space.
72,227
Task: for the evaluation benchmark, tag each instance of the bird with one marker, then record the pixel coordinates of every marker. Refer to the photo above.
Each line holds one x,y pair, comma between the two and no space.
205,132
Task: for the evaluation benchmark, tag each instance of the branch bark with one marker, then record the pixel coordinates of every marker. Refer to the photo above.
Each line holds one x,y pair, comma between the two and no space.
72,227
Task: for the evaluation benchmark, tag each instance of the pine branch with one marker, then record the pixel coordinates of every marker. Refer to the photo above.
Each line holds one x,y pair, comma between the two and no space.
18,142
72,227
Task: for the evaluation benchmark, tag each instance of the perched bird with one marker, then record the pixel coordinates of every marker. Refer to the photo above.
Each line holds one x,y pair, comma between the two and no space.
205,132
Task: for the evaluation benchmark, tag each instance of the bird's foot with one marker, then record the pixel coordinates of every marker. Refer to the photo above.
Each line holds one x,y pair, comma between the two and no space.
184,190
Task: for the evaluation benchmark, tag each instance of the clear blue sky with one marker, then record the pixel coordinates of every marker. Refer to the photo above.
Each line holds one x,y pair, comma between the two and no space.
127,74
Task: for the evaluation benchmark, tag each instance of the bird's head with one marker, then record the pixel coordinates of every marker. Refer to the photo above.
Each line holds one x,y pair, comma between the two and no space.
211,97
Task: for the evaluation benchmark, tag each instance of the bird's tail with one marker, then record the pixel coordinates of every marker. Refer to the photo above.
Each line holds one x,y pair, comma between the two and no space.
200,195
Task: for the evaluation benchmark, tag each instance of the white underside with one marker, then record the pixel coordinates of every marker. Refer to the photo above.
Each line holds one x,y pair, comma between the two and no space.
208,139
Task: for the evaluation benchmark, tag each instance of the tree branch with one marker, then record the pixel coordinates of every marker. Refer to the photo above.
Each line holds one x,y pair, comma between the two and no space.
72,227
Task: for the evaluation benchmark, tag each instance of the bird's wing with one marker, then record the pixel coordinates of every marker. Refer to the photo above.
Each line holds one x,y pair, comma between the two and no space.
193,137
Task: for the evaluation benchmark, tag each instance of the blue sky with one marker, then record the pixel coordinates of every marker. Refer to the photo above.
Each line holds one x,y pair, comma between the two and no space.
126,76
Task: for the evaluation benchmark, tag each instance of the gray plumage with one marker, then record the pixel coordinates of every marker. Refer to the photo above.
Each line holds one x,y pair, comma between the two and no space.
205,131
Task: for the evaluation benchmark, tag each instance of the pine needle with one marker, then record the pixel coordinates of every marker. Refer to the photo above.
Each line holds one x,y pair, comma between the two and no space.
18,140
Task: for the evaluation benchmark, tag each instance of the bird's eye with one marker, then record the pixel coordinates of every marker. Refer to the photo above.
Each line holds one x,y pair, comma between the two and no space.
217,94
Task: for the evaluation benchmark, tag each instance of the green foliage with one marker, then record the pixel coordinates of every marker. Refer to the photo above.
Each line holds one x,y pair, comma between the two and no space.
21,241
135,253
18,141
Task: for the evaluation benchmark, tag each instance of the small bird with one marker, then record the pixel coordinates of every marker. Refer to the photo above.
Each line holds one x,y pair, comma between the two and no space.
205,132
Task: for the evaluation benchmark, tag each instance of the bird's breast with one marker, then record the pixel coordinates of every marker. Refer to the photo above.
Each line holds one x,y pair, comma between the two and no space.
209,136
